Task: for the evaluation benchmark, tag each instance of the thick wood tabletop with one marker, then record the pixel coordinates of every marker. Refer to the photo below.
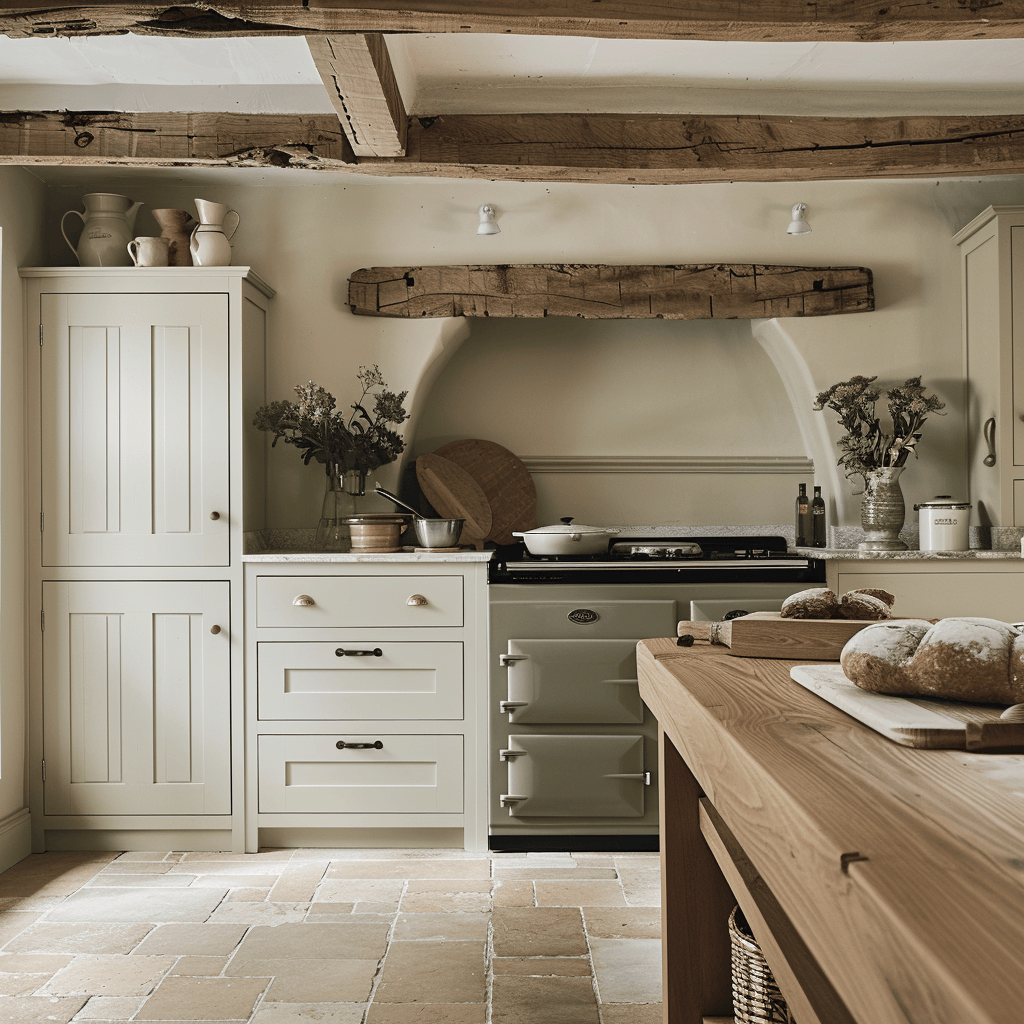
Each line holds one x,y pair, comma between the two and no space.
901,869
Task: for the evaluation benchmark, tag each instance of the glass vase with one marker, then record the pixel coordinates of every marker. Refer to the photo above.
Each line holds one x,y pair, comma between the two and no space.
341,500
882,510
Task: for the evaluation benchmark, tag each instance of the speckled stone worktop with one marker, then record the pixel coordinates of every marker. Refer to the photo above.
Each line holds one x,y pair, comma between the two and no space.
406,555
855,554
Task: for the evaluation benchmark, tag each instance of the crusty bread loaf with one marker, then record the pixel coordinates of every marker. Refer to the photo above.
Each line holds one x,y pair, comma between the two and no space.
971,659
822,603
858,604
883,595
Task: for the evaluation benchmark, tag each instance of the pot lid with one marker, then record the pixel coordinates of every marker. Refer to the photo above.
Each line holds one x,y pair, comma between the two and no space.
942,501
567,527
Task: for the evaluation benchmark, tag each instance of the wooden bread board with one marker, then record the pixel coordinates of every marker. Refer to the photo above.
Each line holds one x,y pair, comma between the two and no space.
921,722
769,635
455,495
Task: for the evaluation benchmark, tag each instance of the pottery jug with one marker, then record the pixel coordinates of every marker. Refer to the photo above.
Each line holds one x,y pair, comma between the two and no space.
210,238
176,226
107,227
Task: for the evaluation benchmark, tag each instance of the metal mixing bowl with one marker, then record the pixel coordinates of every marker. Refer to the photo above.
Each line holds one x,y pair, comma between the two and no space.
438,533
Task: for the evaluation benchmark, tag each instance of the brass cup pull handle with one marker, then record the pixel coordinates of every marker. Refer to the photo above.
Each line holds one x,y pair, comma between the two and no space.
342,652
344,745
215,515
215,630
989,430
303,601
416,601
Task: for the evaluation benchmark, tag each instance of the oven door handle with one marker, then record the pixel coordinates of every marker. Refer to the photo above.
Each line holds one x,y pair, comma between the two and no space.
504,660
507,707
507,800
507,755
644,777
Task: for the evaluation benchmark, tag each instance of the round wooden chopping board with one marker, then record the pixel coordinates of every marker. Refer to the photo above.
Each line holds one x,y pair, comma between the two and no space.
505,482
455,495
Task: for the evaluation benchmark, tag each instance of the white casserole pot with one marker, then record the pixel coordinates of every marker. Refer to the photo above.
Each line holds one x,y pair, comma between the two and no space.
566,539
944,524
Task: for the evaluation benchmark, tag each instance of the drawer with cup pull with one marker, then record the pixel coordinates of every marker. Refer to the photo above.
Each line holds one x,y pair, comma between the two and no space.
357,601
359,680
353,773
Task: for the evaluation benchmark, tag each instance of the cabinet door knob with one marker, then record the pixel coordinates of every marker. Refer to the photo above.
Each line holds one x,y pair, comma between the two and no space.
215,515
215,630
303,601
416,601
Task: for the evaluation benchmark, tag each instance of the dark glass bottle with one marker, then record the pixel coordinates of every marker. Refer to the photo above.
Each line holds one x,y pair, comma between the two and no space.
803,518
818,531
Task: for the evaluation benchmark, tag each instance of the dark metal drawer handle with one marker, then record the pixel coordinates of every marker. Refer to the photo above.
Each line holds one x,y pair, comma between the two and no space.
341,652
376,745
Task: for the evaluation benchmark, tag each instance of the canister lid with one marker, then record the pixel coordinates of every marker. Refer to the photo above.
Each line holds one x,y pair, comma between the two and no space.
943,501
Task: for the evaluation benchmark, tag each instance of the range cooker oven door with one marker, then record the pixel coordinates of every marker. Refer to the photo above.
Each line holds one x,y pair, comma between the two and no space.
575,776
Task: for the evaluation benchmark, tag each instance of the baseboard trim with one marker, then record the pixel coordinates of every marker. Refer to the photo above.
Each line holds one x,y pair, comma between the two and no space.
714,464
15,838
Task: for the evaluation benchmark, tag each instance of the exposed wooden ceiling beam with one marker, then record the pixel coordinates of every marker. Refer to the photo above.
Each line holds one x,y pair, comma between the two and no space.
770,20
360,81
227,140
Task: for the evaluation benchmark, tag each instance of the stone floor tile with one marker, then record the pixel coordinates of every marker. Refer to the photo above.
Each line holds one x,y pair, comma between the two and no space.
258,913
263,868
51,874
641,886
418,885
109,1008
40,1009
199,966
375,909
344,941
33,904
571,873
597,893
14,923
518,1000
110,880
440,927
33,963
638,859
543,966
310,1013
21,984
298,882
384,890
138,867
594,860
109,975
78,938
514,894
631,1013
627,970
148,855
225,881
538,931
192,939
95,905
317,910
446,903
410,868
393,853
242,858
433,972
311,981
247,895
204,999
427,1013
622,922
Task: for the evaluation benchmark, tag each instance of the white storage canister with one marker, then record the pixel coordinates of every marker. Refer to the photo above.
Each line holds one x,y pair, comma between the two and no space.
944,524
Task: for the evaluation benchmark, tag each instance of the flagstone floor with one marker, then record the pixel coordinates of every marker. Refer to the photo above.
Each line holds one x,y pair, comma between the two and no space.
333,937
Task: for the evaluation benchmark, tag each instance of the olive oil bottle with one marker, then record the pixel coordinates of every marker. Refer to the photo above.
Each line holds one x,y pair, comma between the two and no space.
803,518
818,531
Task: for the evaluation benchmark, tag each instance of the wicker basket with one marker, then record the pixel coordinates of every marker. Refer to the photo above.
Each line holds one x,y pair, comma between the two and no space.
756,998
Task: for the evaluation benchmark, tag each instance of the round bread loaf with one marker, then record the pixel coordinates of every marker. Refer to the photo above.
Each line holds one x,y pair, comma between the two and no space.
859,604
818,603
970,659
883,595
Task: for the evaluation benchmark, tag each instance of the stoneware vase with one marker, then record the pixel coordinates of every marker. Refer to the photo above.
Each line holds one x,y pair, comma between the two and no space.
882,510
176,226
341,498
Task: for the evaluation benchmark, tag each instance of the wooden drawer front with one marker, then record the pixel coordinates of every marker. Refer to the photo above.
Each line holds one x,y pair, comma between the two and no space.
314,681
408,775
358,601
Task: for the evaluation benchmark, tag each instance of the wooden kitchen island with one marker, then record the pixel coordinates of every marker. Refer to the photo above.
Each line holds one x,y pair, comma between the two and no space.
884,884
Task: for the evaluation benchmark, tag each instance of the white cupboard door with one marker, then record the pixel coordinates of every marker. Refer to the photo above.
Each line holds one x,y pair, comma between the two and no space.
134,429
136,698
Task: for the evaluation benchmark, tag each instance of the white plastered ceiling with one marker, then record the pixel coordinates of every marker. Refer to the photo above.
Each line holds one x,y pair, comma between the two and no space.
461,73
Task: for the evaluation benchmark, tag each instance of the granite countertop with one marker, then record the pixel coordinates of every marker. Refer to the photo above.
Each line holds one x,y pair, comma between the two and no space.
405,555
913,554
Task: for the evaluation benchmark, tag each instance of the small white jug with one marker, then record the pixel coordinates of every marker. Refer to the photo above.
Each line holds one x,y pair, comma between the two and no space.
149,251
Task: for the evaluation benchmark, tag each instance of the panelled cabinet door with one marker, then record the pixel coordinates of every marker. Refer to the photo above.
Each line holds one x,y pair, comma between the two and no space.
136,698
134,429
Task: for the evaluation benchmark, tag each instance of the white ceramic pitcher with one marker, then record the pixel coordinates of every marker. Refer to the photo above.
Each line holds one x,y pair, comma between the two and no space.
210,243
108,225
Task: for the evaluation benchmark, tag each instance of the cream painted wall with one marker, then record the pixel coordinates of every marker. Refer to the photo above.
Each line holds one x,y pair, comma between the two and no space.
21,220
305,233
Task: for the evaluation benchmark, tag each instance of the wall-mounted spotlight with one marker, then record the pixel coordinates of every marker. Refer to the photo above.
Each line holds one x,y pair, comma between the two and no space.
798,226
488,225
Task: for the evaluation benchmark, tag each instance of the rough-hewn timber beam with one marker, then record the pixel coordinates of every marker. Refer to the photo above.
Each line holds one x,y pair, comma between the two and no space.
693,292
667,149
229,140
772,20
360,81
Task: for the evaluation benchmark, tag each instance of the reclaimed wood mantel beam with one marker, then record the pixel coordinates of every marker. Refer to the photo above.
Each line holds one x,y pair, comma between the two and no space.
768,20
225,140
598,292
360,82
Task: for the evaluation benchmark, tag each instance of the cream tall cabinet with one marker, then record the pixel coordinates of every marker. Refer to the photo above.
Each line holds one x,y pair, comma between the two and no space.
142,383
992,265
